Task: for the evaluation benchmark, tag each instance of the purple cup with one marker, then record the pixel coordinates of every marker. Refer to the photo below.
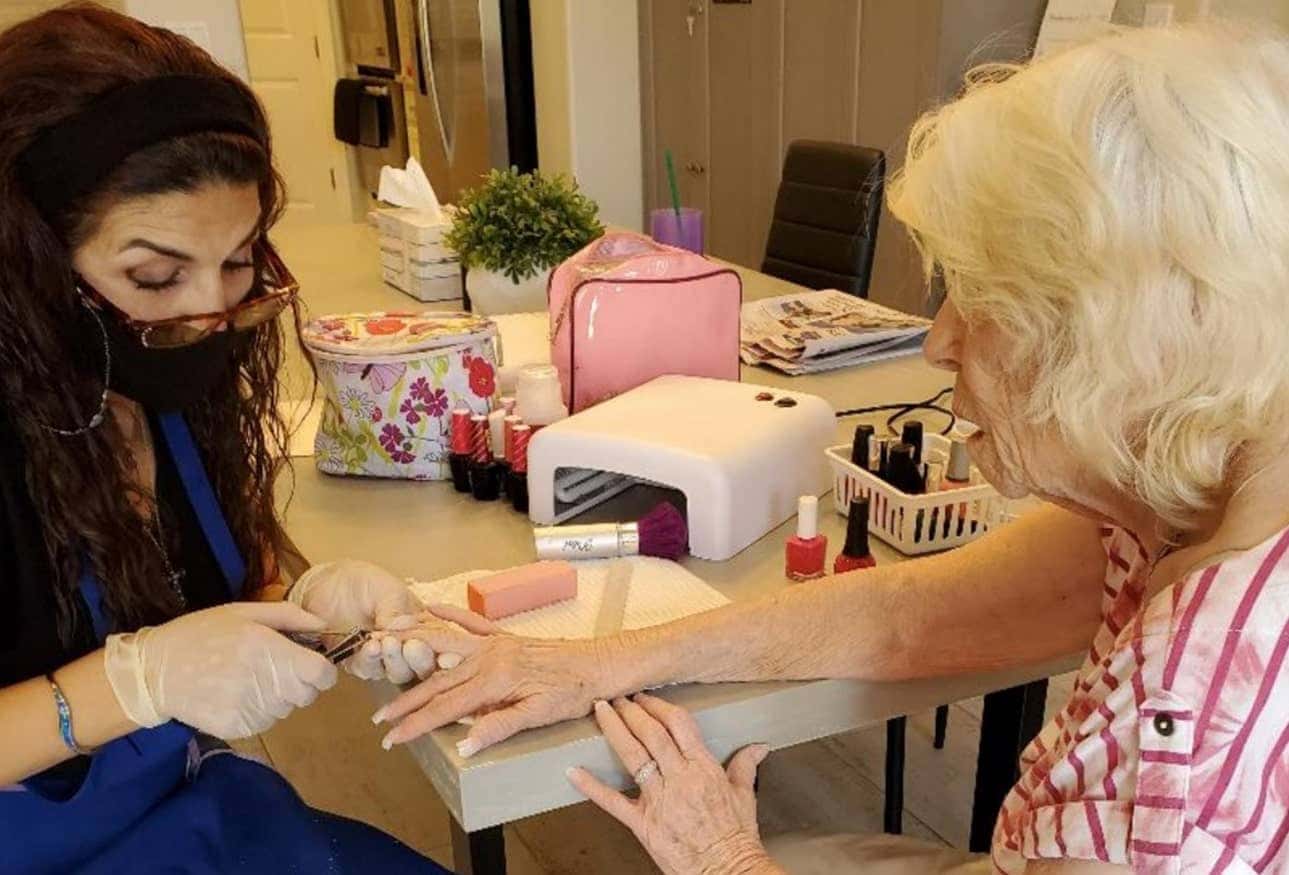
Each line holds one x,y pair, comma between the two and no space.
685,232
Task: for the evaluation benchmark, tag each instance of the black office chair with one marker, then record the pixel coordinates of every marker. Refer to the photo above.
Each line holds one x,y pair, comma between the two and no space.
824,230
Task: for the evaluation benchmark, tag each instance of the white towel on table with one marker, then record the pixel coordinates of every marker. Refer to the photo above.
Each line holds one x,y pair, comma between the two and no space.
660,591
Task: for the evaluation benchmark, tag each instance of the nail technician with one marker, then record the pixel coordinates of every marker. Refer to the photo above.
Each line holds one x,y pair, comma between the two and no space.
139,438
1111,226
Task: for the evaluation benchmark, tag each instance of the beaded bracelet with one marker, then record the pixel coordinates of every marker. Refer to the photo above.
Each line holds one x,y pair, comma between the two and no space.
65,718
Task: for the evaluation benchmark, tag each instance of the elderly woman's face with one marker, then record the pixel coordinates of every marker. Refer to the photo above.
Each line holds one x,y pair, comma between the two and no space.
1016,458
174,254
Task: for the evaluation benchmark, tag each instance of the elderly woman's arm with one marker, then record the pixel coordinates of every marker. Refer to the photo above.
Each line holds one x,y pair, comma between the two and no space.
1028,592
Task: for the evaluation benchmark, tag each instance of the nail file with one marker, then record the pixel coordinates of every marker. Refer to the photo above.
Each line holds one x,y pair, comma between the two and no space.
613,605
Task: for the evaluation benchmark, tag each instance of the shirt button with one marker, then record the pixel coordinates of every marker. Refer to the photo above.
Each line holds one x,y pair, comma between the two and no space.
1164,724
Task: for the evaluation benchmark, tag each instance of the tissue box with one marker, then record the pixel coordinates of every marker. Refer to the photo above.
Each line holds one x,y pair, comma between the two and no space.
408,224
413,258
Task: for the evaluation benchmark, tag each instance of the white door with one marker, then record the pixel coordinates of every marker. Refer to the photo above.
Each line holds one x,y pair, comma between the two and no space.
288,51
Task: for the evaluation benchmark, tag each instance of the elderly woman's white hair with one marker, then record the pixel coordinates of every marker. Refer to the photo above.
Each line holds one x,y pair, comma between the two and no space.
1121,211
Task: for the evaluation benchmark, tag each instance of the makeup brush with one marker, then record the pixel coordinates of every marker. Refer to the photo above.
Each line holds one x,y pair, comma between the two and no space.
662,533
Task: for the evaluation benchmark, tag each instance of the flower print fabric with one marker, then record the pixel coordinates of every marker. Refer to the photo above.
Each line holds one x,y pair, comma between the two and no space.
390,382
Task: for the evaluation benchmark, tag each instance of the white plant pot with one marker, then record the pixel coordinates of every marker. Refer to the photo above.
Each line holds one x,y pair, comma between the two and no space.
493,293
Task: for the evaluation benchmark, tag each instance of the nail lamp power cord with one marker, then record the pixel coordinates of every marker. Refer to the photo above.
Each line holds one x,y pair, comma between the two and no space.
903,409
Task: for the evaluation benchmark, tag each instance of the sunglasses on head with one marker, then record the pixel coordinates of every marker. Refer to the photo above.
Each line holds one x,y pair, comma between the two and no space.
273,291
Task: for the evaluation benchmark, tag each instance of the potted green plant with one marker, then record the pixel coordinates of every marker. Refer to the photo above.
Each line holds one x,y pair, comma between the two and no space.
512,230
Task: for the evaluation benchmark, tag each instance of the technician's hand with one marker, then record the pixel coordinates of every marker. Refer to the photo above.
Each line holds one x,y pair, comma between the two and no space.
505,682
227,671
692,815
352,594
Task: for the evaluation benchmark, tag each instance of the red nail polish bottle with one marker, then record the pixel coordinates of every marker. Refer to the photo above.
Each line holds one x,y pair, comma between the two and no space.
855,554
459,460
807,551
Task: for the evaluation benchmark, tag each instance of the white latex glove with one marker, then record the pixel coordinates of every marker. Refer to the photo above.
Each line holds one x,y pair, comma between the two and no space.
224,671
351,594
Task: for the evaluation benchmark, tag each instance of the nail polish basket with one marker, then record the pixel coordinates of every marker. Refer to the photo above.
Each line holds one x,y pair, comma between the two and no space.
741,454
917,524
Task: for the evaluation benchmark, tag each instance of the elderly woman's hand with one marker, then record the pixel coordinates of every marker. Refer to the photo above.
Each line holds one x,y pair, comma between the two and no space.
506,682
692,815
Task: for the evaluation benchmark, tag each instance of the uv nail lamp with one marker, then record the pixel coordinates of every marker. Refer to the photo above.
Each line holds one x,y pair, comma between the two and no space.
741,454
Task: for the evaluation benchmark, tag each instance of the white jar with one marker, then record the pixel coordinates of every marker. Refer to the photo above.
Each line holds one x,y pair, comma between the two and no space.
540,399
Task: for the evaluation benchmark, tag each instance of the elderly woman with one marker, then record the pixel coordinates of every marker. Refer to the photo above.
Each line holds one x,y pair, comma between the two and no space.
1112,230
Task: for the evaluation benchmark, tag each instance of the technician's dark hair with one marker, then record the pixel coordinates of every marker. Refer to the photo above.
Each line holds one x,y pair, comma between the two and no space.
52,67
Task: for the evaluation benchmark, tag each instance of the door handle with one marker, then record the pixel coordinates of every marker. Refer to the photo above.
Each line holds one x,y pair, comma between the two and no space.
422,38
431,77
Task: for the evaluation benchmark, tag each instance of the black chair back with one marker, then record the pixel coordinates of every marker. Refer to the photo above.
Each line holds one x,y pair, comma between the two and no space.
824,231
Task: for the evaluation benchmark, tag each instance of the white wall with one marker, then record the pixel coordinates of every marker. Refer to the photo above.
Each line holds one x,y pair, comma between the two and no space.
550,85
1274,11
14,11
586,73
215,25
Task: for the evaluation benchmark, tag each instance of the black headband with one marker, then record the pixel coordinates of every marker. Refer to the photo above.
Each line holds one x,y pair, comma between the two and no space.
70,159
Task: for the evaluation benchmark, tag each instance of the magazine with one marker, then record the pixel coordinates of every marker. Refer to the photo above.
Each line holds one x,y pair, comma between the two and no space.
811,332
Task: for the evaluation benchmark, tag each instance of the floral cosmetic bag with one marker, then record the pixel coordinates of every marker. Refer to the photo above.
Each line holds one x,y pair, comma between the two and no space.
390,382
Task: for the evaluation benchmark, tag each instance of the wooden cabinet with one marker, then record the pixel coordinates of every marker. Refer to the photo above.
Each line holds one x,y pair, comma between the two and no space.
754,76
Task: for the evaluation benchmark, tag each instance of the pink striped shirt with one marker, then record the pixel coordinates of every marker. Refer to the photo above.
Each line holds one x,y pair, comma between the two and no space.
1171,755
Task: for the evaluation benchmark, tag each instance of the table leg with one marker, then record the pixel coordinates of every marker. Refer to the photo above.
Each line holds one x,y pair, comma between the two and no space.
941,726
478,853
1011,719
893,813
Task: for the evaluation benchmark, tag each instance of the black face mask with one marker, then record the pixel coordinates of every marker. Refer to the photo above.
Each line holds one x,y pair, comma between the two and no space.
160,379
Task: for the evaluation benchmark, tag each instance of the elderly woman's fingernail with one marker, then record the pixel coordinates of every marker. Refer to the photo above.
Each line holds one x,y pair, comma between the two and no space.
388,741
468,747
600,705
380,715
572,772
449,660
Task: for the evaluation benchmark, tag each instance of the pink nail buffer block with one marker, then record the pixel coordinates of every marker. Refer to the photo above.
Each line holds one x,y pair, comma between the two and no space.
522,589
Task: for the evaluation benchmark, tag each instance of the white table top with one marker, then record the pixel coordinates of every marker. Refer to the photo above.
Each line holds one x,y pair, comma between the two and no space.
428,531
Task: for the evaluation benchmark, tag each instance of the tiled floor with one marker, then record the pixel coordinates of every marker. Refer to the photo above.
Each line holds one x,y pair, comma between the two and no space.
332,754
